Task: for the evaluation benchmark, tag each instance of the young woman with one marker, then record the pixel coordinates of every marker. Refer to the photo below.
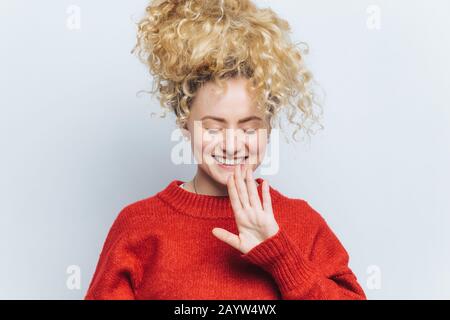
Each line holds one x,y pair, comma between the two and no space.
226,69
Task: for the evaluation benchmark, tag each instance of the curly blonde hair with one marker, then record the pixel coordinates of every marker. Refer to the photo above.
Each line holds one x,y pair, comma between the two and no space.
186,43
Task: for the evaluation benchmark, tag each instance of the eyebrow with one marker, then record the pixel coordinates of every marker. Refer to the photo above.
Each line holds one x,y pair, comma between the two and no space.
224,121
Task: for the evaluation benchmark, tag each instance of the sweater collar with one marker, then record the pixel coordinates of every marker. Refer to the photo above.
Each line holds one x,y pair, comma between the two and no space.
204,206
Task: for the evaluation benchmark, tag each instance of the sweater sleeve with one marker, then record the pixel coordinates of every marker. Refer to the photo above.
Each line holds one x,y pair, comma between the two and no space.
325,277
118,270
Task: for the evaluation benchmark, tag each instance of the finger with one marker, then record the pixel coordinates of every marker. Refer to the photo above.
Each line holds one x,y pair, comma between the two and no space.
267,201
253,192
241,187
233,194
227,237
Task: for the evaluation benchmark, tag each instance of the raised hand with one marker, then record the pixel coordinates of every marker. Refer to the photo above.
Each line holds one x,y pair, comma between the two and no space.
255,221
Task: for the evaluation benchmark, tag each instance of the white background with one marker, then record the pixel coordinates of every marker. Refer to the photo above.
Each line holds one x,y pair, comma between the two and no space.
77,144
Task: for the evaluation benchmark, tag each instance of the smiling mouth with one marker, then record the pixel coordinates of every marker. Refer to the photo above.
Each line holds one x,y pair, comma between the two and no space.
229,162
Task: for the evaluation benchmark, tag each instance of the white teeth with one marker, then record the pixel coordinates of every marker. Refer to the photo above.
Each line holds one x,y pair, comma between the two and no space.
229,162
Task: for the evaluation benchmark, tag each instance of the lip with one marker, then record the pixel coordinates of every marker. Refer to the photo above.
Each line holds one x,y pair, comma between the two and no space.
229,167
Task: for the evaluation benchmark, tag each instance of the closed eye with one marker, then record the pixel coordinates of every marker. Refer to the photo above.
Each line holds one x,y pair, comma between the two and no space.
213,131
250,131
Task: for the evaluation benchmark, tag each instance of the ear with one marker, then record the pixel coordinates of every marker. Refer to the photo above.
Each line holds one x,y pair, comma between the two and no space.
186,133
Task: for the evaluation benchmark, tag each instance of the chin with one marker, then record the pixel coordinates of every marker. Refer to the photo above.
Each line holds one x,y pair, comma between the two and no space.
221,175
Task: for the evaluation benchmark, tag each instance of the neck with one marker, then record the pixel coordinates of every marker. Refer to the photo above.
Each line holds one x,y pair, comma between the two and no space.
207,185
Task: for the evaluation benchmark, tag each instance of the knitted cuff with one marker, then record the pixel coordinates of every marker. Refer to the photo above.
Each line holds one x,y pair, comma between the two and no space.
280,256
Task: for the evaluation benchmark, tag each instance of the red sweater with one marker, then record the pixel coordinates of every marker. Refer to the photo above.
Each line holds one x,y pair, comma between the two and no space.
162,247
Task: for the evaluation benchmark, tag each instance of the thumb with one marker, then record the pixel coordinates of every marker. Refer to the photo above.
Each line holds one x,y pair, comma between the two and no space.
227,237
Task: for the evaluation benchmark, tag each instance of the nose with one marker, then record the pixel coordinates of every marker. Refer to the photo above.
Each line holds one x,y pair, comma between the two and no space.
234,143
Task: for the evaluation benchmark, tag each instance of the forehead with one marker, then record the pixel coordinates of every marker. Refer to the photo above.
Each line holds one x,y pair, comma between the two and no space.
233,104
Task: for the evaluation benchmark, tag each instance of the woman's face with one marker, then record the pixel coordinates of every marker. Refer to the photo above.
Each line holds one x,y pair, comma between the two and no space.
226,126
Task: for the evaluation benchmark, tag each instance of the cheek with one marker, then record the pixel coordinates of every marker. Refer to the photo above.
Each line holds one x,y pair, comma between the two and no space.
203,148
262,143
257,149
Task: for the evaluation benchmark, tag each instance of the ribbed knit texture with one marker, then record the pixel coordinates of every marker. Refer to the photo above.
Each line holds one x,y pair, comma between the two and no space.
162,247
